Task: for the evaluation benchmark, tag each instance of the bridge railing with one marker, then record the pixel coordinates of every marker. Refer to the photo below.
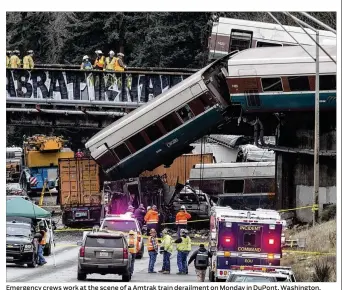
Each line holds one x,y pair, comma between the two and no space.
81,87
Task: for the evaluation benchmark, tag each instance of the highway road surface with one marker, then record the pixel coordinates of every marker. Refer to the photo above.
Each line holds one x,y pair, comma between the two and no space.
66,269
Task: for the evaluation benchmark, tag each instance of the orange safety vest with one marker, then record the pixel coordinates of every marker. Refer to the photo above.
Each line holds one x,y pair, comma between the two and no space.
43,241
100,62
182,218
117,66
150,245
134,245
151,217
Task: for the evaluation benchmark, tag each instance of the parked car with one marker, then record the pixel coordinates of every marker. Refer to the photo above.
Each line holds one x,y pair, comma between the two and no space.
124,223
35,224
15,189
252,274
21,245
103,253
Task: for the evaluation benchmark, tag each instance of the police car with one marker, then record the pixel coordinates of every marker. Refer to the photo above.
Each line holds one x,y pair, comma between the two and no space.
123,223
252,274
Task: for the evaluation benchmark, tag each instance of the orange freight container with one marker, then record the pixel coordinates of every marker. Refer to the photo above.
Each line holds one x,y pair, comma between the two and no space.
180,168
79,182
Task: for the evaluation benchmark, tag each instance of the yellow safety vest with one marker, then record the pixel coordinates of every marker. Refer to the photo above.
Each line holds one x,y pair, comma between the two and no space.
133,245
110,63
167,243
185,245
100,62
14,61
117,66
28,62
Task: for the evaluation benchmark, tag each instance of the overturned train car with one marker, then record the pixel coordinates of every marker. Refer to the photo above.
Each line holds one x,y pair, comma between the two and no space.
163,129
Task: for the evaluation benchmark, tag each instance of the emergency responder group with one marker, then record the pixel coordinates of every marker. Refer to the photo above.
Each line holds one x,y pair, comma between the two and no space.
183,243
13,59
109,63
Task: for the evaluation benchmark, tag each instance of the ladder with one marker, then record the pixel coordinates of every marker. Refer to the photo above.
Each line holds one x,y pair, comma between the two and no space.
45,187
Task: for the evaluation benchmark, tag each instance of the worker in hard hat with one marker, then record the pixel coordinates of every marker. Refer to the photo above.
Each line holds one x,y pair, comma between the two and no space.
110,61
152,248
28,62
15,60
152,219
183,248
86,64
133,247
182,218
166,248
8,56
119,65
100,60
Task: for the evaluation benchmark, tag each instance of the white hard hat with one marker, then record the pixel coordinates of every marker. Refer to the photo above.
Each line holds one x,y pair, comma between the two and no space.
111,52
85,57
99,52
183,207
120,53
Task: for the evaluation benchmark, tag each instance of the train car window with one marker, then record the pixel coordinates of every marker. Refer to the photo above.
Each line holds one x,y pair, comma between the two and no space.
327,83
260,185
122,151
107,160
271,85
169,122
207,100
267,44
240,40
153,132
137,141
234,186
197,107
185,113
299,83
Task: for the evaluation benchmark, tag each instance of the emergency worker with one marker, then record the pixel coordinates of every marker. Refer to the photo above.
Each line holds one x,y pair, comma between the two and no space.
8,56
28,62
152,218
166,248
133,247
183,248
110,61
119,65
139,214
182,219
152,248
99,61
79,154
15,60
41,246
86,64
201,257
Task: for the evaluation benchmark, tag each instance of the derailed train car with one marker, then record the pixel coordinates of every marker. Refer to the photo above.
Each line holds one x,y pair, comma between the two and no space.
161,130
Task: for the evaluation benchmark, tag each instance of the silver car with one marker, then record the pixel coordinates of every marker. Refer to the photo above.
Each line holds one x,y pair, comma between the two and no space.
104,253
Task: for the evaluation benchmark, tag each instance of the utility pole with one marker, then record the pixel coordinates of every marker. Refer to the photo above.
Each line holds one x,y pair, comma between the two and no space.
316,134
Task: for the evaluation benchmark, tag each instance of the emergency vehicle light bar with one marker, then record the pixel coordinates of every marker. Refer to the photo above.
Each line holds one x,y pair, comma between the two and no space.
253,268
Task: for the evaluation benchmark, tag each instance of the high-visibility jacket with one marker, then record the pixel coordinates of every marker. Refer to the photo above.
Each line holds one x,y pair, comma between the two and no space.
117,66
43,241
28,62
110,63
8,63
185,245
151,217
14,61
133,244
99,62
182,218
150,245
167,243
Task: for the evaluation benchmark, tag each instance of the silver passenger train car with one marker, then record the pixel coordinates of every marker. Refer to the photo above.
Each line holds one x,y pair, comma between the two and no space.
162,129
